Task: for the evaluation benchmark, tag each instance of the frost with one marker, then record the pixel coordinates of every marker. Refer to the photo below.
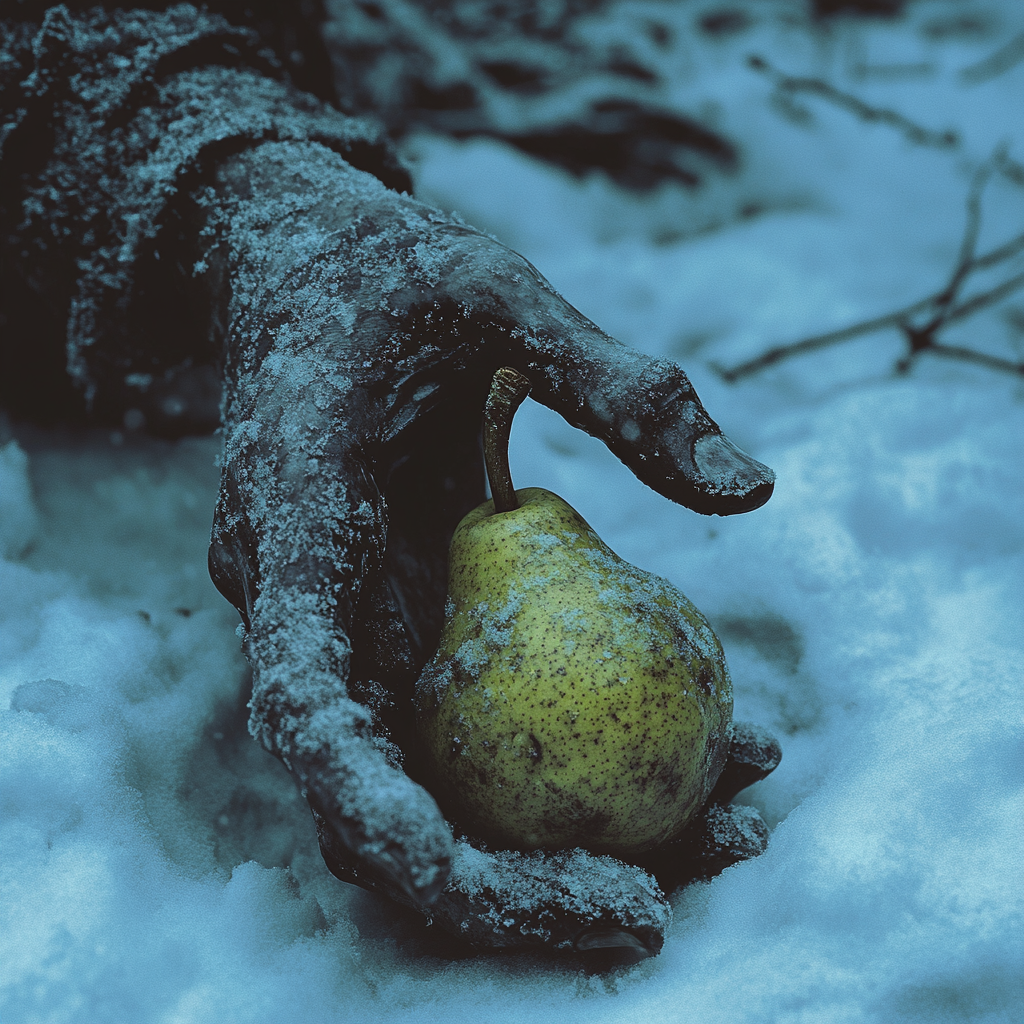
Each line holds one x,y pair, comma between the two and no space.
129,134
891,551
572,620
550,899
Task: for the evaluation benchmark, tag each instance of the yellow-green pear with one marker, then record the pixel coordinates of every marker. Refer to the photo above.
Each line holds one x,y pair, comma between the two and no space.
574,699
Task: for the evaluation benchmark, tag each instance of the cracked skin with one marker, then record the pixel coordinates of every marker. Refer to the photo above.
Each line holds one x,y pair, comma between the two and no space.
574,699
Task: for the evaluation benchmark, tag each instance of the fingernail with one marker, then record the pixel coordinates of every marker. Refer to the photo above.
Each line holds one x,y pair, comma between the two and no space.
422,883
609,938
731,473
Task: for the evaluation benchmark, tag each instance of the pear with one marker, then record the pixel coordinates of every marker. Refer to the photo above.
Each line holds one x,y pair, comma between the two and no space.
574,699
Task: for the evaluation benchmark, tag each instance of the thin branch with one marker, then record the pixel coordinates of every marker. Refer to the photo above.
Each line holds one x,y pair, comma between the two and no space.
1004,252
995,64
898,318
971,356
947,139
942,307
972,226
989,298
968,243
818,341
1010,169
923,339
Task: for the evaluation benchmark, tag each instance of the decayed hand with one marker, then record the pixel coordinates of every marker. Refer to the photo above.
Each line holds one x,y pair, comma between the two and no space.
361,330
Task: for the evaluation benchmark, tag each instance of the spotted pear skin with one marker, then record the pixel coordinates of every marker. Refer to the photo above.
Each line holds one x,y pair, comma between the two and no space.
574,699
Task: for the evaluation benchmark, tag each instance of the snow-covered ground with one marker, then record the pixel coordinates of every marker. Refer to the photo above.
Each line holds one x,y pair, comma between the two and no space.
158,866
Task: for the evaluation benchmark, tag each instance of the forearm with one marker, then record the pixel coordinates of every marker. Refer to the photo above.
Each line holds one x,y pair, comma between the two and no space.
107,120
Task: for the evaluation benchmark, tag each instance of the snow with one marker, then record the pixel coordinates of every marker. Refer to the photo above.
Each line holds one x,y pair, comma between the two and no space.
158,865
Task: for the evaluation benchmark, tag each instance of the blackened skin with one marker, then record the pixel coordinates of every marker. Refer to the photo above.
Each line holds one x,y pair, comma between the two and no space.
720,836
361,330
168,200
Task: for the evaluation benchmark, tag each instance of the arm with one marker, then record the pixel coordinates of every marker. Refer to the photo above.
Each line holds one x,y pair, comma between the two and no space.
362,329
354,331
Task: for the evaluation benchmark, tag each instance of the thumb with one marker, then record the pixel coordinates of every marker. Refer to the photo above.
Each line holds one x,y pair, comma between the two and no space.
644,409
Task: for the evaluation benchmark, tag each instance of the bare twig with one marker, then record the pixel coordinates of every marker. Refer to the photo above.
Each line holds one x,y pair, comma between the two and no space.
995,64
947,139
787,85
942,307
989,298
969,355
1010,169
965,259
731,374
1005,251
899,318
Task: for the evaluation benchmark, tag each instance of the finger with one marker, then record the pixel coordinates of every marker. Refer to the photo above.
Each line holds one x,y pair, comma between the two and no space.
301,712
724,834
387,824
649,415
720,838
567,900
753,754
571,900
644,409
299,542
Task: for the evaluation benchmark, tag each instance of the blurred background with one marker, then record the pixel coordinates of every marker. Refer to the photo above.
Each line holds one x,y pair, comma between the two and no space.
817,208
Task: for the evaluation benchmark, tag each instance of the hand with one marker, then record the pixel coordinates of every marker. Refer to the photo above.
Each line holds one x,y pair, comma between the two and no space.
575,900
361,334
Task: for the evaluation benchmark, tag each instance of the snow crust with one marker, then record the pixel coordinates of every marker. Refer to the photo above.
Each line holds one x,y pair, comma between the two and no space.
158,865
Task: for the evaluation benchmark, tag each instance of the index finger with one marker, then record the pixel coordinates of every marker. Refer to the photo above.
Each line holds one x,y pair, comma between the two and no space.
644,409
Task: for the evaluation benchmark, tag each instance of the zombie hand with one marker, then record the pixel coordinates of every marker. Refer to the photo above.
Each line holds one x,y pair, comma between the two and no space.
361,330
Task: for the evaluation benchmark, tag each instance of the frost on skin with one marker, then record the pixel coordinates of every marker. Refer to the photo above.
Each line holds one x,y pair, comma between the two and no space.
132,104
356,331
360,333
570,900
576,900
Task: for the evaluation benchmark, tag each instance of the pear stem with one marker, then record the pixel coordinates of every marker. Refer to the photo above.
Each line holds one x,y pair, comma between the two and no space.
508,389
